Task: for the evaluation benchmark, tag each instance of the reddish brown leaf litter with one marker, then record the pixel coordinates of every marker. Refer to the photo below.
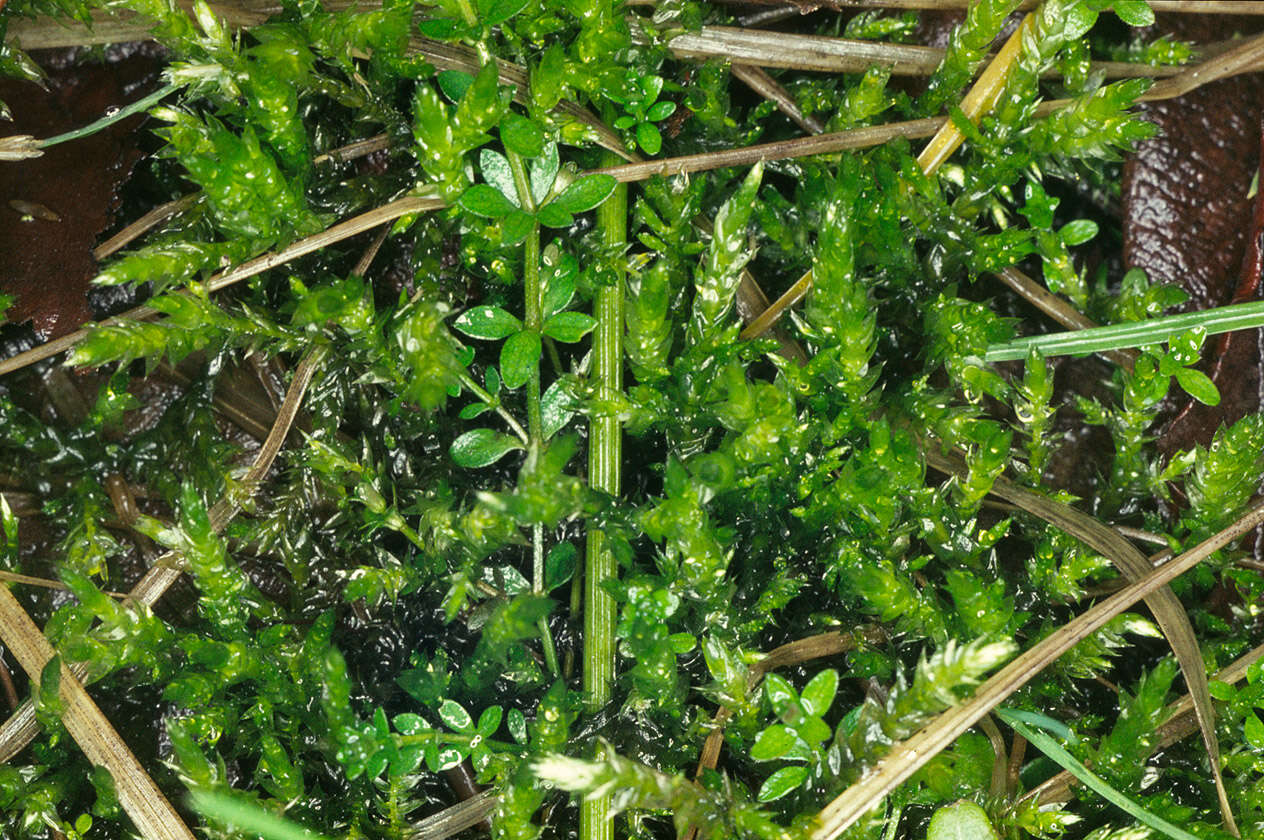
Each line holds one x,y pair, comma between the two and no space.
1187,219
53,208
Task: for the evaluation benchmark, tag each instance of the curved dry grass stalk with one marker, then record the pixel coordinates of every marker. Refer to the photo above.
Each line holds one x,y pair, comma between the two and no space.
772,314
1163,603
907,757
766,86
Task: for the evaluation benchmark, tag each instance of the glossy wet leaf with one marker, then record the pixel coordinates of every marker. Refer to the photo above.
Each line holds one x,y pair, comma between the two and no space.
454,83
1198,385
569,327
559,565
487,201
453,714
521,136
542,172
480,447
1134,12
487,322
818,694
496,170
775,742
519,358
586,192
649,138
554,215
489,721
781,783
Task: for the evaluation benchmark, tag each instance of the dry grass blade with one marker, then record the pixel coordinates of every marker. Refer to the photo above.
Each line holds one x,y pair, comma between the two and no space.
766,86
1187,7
343,230
824,54
457,818
150,811
1181,723
1163,603
761,324
142,225
907,757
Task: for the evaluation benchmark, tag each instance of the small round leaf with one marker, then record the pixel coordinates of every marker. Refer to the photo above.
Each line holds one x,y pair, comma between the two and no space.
453,714
1134,12
649,138
962,820
554,216
818,694
517,227
1198,385
586,193
773,743
1078,232
661,110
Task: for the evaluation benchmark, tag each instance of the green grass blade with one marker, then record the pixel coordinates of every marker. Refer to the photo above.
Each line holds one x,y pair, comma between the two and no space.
1222,319
247,817
1087,777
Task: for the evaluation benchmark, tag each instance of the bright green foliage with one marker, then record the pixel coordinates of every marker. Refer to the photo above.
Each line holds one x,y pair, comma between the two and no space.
401,595
864,737
717,277
193,323
444,135
717,814
960,821
1122,754
967,47
642,109
246,193
1224,477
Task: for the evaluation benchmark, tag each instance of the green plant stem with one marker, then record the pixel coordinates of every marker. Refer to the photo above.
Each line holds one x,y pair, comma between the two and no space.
605,451
1221,319
480,392
110,118
533,293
